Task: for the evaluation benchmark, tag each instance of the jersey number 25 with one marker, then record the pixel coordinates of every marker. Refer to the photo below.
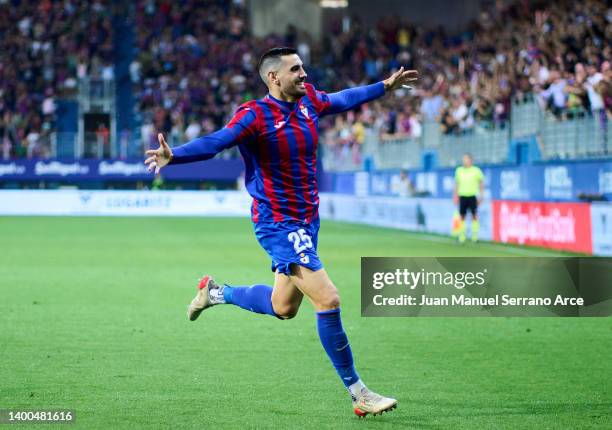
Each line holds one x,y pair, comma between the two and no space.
301,241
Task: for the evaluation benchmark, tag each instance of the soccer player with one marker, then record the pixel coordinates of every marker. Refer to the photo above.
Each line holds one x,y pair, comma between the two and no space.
468,193
277,137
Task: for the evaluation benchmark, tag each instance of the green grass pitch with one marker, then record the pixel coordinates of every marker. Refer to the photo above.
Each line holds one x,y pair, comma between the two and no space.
93,318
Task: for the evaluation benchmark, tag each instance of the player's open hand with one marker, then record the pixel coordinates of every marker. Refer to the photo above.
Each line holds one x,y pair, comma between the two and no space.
400,78
160,157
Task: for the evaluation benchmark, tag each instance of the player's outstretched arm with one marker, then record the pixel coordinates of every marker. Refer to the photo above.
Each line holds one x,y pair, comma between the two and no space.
239,129
351,98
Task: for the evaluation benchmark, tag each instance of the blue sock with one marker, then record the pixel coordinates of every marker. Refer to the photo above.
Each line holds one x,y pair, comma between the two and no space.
256,298
336,345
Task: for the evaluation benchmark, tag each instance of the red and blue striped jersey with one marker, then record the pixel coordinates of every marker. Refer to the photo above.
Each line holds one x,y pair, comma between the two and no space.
278,142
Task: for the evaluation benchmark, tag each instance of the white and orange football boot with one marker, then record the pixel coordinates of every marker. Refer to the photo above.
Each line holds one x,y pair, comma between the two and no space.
209,294
368,402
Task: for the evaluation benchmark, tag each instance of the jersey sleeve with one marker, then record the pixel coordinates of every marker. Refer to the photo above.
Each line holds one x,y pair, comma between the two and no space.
350,98
241,128
342,101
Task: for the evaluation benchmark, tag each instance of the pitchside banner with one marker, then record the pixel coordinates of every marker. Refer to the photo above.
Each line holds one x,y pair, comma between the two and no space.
113,169
601,223
124,203
414,214
555,181
562,226
493,286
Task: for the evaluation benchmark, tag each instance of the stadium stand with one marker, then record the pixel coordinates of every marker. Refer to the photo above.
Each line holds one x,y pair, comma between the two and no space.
191,65
477,82
194,65
45,49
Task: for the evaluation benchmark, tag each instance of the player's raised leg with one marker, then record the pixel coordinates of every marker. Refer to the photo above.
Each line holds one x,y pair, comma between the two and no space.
320,290
282,301
286,297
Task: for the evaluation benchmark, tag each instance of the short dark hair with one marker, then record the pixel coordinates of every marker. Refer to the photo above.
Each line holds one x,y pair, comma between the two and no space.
273,55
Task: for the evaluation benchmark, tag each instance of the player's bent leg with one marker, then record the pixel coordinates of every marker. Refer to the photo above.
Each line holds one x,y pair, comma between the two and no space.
323,294
286,297
254,298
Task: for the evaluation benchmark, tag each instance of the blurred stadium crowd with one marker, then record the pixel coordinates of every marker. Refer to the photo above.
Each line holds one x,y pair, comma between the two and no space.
195,63
45,47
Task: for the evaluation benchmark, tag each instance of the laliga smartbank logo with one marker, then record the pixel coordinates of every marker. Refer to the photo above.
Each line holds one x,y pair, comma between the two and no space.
412,280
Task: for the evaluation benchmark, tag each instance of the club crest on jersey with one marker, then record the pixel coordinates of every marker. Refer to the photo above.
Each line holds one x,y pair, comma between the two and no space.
304,111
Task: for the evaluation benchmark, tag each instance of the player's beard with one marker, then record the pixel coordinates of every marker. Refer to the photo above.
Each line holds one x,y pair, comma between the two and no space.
300,89
293,89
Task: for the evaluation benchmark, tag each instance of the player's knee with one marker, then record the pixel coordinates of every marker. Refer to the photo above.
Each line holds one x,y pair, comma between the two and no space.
334,302
285,312
288,315
331,300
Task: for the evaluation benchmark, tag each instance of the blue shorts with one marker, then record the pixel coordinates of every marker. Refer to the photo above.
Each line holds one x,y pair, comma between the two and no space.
290,242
